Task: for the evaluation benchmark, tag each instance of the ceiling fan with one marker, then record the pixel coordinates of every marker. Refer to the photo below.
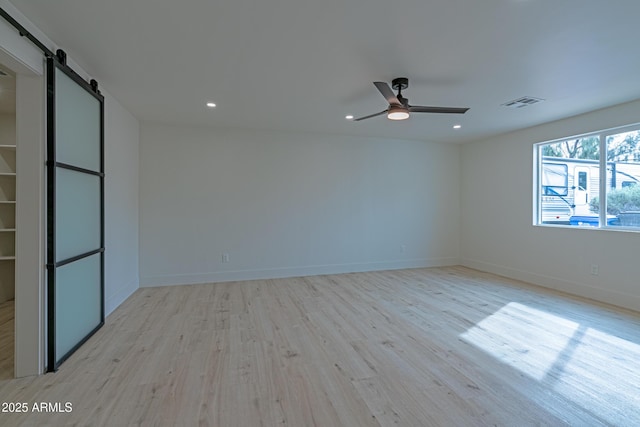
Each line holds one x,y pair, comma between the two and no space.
399,107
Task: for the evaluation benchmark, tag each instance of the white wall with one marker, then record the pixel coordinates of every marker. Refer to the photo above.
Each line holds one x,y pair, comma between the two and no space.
30,215
497,234
122,136
285,204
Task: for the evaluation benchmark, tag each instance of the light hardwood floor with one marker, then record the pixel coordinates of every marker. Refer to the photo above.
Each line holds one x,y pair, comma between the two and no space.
6,339
427,347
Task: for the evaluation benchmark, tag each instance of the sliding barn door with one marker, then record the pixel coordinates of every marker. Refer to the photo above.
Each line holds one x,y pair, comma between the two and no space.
75,212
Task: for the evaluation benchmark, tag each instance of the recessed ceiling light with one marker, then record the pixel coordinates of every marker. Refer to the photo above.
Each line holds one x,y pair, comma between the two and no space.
457,126
349,117
211,104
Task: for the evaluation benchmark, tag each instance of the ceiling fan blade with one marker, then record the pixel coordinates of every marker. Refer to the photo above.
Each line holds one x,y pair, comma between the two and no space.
388,94
370,116
443,110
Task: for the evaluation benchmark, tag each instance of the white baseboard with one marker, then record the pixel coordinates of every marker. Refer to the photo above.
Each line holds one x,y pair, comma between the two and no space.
119,297
608,296
279,273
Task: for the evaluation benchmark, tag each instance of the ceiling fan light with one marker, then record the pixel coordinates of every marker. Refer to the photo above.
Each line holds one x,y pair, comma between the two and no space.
398,113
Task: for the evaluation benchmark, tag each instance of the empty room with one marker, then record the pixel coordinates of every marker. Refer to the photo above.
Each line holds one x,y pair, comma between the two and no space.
303,213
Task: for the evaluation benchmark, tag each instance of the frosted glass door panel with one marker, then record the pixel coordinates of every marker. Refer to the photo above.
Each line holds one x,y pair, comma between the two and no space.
78,302
77,125
75,207
77,213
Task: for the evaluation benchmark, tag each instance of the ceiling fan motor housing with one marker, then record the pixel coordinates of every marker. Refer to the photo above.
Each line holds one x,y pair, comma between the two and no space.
400,83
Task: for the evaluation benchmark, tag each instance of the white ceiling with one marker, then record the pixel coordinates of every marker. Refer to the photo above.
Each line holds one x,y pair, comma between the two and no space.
302,65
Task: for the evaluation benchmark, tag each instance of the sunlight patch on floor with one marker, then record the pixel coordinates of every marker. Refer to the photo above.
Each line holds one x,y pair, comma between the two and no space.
594,379
524,338
590,367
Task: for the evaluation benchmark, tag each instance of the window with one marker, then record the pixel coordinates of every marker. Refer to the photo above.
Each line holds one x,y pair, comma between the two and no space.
554,179
582,181
572,191
569,181
622,193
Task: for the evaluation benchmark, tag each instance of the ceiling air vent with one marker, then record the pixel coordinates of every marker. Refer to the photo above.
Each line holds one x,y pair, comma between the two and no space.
3,73
525,101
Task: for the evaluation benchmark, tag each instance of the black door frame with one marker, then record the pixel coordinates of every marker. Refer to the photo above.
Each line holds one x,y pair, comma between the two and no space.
58,62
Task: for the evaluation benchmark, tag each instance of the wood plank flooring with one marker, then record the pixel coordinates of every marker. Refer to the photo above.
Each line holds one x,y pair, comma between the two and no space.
7,333
427,347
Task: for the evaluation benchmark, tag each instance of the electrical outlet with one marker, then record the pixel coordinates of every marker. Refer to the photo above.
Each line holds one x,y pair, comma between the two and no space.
225,257
595,269
403,248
